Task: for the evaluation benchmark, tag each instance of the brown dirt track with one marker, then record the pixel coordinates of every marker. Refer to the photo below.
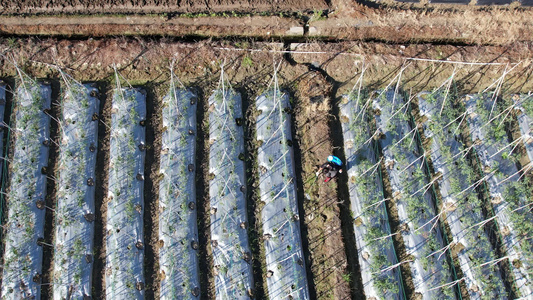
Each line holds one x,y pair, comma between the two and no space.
154,6
342,20
316,75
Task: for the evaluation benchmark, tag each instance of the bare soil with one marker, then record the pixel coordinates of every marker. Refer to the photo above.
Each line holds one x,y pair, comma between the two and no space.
296,20
51,194
143,60
155,6
101,181
326,256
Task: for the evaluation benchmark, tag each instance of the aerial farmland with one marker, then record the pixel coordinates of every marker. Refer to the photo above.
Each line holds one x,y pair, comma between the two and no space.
171,150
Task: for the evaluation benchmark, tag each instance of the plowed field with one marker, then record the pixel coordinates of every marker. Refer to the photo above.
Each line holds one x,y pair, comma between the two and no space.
156,6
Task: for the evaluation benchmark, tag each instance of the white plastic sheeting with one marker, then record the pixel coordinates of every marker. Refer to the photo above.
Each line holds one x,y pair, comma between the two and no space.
524,104
23,257
412,196
74,228
227,191
281,224
125,202
509,197
368,208
178,260
460,200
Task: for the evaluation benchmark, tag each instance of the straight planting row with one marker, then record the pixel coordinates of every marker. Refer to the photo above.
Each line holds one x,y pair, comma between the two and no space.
74,212
392,148
447,195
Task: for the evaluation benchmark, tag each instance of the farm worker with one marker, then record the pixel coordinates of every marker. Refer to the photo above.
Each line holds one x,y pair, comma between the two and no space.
330,168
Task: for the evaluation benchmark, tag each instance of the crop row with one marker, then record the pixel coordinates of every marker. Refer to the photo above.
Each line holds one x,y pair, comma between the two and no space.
524,107
178,231
285,265
75,209
74,235
461,204
125,204
371,224
423,209
23,253
433,186
410,193
509,197
227,188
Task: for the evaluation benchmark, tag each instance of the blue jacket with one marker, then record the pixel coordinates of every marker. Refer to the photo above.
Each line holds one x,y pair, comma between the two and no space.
335,160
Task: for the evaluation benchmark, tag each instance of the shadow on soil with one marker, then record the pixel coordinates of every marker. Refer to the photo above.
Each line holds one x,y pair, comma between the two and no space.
10,84
151,194
51,195
348,234
202,198
101,174
253,201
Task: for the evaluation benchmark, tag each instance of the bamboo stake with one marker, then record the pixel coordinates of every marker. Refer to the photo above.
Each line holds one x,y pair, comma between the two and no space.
449,284
393,266
511,176
447,90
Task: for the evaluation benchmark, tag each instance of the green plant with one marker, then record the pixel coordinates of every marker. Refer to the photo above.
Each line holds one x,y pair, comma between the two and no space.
318,15
346,277
247,61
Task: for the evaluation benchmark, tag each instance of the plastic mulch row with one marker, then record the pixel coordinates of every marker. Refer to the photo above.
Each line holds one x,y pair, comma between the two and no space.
178,232
508,195
416,207
286,273
23,256
371,225
75,208
462,205
438,204
125,203
227,191
524,107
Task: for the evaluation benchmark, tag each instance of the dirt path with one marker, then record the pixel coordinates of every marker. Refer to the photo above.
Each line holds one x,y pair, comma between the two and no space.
155,6
344,20
326,256
102,175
